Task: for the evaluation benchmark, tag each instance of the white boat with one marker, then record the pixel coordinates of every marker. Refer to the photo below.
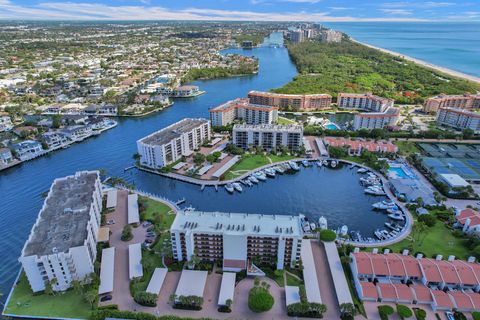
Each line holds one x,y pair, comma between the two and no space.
237,186
294,166
325,162
322,223
247,182
279,169
392,226
343,230
362,170
313,226
269,172
396,216
384,205
260,176
229,187
376,191
319,163
253,179
333,163
305,163
378,234
394,210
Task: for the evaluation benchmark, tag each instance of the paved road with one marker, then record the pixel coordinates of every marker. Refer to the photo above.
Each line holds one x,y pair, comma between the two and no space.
325,281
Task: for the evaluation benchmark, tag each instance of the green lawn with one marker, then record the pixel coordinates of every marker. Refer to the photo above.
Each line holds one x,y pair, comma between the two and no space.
154,208
293,281
252,161
66,305
407,147
282,120
438,240
152,260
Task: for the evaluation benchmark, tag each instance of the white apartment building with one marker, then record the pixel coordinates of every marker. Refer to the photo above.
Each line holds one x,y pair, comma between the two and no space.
237,238
458,119
465,101
5,123
242,110
62,244
28,149
364,101
268,136
376,120
169,144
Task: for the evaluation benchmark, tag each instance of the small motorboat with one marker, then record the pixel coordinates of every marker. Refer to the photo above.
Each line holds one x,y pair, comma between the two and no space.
260,176
229,187
237,186
294,166
362,170
319,163
253,179
396,216
269,172
333,163
306,163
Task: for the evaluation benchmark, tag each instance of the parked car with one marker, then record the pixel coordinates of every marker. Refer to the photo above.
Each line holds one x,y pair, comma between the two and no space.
148,240
145,245
111,221
106,298
146,224
151,228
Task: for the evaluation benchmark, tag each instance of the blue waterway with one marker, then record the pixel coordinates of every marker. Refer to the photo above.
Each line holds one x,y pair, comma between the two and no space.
452,45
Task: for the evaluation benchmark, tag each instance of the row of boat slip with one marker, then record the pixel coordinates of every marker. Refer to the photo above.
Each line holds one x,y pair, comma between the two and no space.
262,175
391,208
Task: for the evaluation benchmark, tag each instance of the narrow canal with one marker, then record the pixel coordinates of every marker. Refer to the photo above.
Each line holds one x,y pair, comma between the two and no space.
336,194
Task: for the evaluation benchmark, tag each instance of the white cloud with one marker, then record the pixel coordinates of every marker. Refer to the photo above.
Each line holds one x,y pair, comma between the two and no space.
95,11
397,12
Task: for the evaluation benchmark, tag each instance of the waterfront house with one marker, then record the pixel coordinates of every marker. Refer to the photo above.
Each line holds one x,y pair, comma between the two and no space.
6,156
468,220
5,123
62,245
27,149
55,139
25,131
108,110
77,133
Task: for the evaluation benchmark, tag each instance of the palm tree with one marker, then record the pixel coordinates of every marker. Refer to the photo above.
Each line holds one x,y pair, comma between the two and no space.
77,286
90,296
347,310
49,287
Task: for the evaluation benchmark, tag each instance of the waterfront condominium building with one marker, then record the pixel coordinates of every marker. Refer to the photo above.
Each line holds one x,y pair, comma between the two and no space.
62,245
237,238
364,101
169,144
466,101
268,136
294,101
376,120
241,109
459,119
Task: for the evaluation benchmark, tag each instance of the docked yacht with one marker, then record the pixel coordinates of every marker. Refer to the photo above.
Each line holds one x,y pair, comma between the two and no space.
362,170
229,187
306,163
269,172
319,163
260,176
279,169
375,191
392,226
322,223
252,179
384,205
397,216
247,182
333,163
237,186
294,165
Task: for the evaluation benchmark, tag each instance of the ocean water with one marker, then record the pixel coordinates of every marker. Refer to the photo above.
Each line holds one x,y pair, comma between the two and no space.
454,45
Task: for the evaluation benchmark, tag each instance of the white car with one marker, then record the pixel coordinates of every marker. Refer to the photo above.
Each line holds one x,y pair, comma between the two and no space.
111,221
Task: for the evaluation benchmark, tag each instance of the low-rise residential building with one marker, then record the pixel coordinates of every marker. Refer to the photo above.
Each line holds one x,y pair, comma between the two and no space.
169,144
242,110
400,278
27,149
5,123
268,136
458,119
293,101
237,238
363,101
62,244
356,146
55,139
465,101
376,120
77,133
468,220
6,156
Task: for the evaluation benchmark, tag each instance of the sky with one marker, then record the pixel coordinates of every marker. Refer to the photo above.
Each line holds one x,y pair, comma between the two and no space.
247,10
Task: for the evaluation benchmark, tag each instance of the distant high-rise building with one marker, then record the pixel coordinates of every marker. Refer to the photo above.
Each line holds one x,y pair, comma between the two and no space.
459,119
329,36
241,109
296,36
294,101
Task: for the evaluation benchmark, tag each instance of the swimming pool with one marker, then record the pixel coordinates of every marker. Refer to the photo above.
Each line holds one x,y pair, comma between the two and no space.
331,126
399,172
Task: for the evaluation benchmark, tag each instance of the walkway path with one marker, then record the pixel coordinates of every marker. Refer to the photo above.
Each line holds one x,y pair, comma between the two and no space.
325,281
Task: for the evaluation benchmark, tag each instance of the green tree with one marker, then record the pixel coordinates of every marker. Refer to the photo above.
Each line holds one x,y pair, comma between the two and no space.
198,159
127,234
56,121
90,297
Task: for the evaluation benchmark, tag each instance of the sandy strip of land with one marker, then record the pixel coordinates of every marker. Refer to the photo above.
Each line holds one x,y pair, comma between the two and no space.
424,63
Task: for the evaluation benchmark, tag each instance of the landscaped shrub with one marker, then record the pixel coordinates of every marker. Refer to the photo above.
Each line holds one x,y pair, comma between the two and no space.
476,315
102,314
224,309
428,219
108,307
385,311
127,234
189,303
306,310
145,298
328,235
420,314
260,299
347,311
459,315
404,312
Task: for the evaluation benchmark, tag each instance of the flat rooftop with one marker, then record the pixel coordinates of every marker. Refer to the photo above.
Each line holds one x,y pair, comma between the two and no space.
191,283
269,127
173,131
238,223
62,222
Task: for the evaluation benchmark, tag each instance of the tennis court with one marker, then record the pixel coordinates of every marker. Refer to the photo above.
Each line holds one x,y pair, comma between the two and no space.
461,159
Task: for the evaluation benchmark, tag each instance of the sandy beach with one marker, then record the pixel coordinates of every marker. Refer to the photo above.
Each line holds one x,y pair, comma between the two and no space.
424,63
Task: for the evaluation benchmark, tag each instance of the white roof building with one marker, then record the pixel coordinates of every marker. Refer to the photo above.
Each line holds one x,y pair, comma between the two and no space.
107,270
454,180
310,274
292,295
227,288
135,268
133,215
156,282
112,198
338,275
192,283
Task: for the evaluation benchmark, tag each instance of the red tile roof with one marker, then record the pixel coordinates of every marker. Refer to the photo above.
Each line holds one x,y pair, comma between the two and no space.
373,146
387,291
449,273
422,293
471,214
442,299
465,272
364,264
404,292
431,271
475,298
369,290
461,300
380,266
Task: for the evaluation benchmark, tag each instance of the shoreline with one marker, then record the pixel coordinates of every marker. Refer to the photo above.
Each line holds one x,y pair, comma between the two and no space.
423,63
